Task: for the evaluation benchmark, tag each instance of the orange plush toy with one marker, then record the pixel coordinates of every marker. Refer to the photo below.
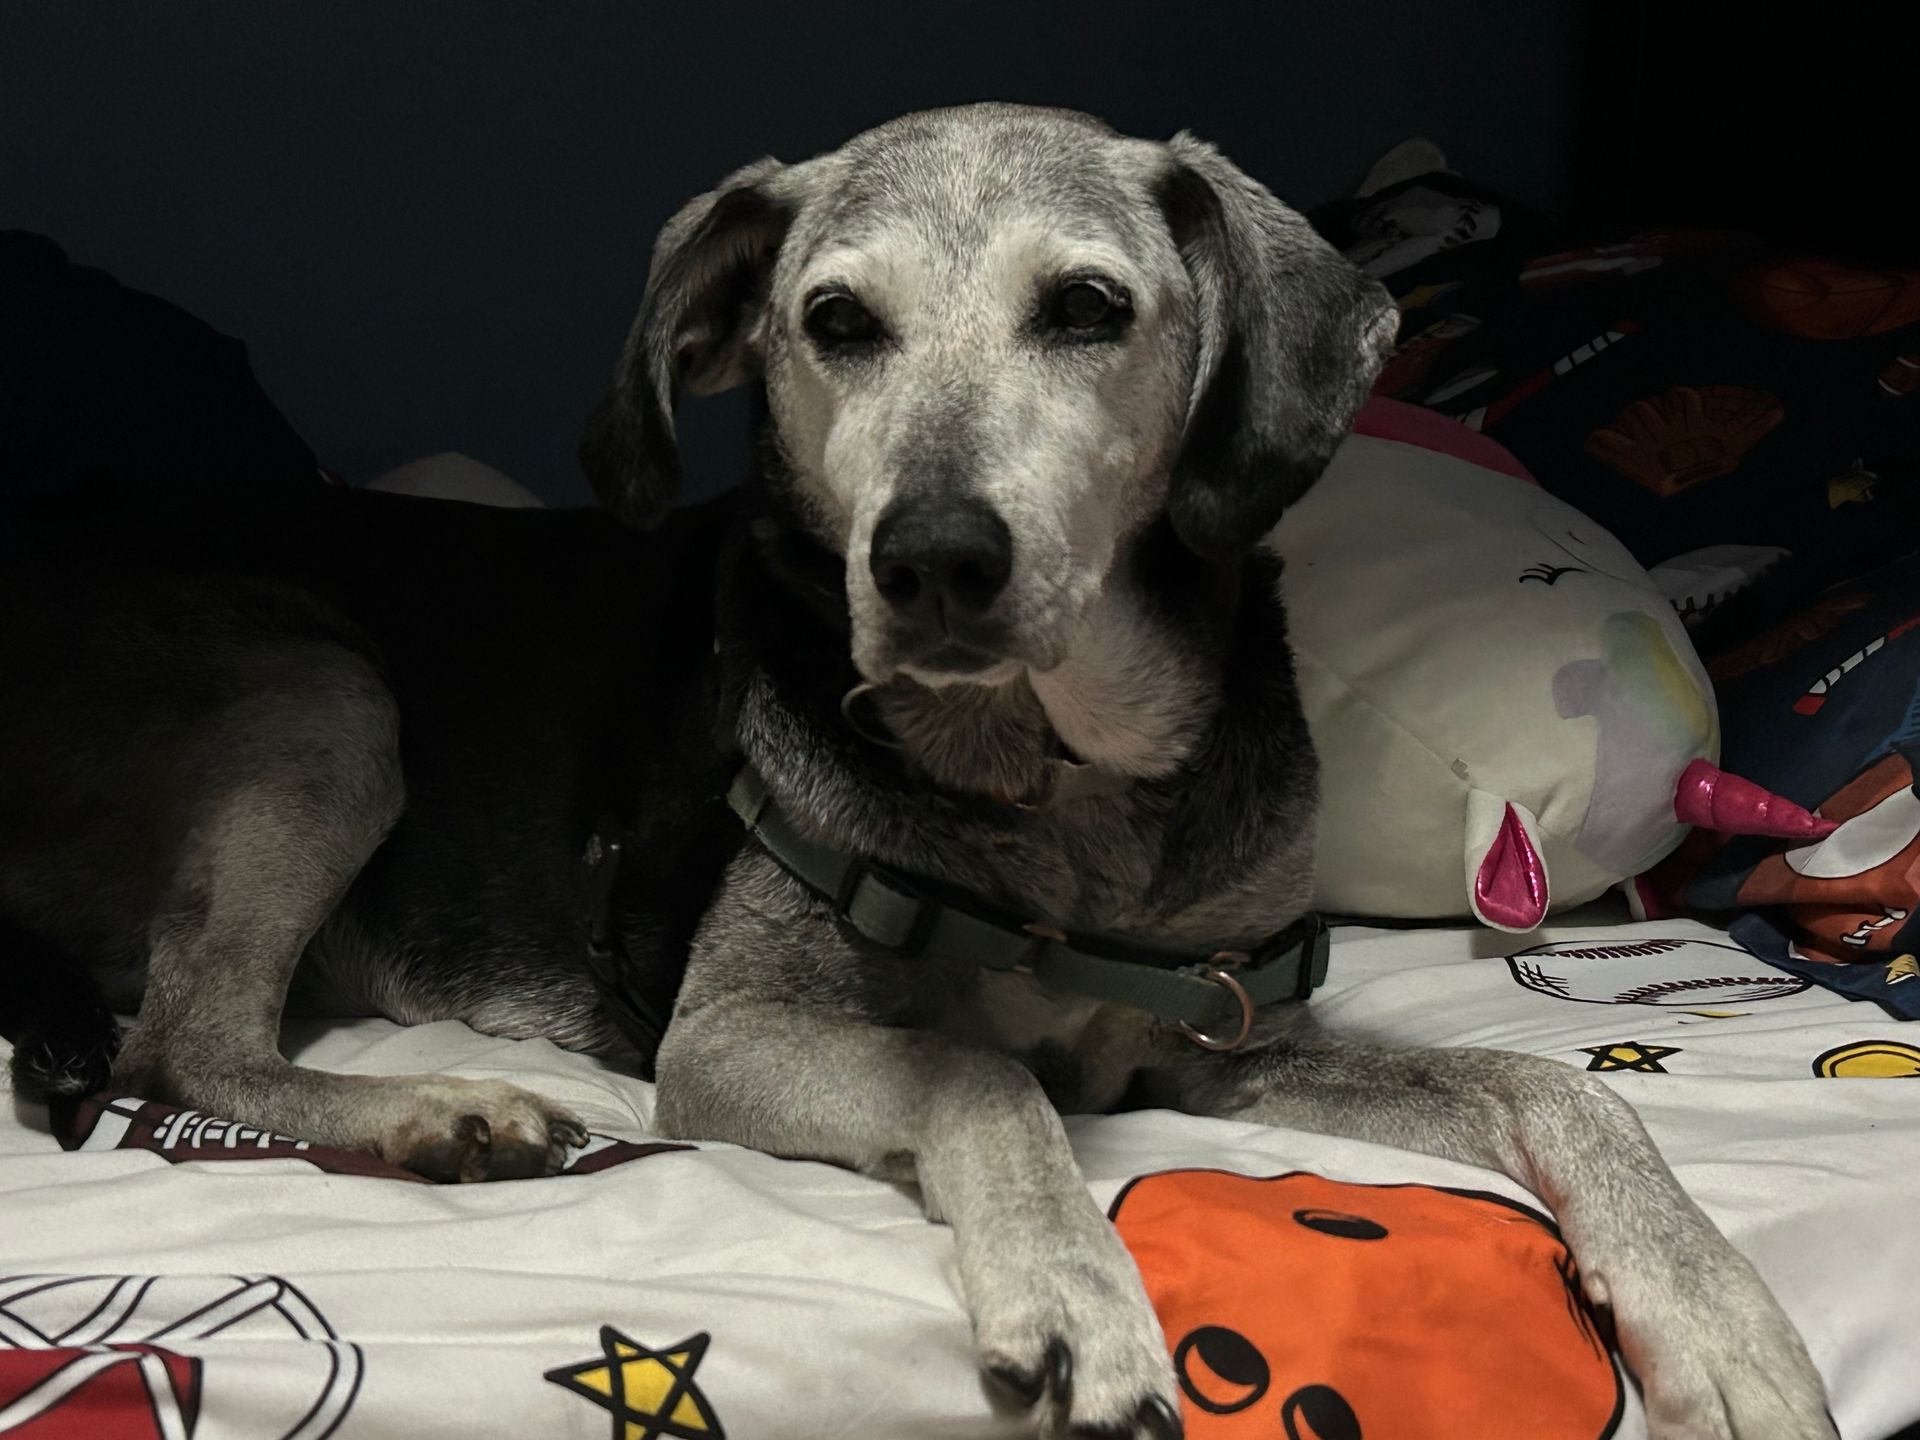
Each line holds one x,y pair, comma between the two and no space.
1301,1308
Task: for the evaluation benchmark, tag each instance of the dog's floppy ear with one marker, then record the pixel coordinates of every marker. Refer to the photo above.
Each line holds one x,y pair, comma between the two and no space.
697,330
1290,338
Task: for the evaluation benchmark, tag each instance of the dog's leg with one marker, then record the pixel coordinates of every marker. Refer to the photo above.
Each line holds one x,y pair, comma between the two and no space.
1716,1357
1058,1307
296,783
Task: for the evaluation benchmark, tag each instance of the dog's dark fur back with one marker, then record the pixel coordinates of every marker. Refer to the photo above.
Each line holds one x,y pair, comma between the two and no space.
549,668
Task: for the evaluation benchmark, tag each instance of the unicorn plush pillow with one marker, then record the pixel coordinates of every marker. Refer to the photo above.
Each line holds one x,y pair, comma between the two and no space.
1505,705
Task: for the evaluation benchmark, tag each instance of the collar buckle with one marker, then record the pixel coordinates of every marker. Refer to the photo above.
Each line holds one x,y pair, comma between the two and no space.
1316,949
874,901
1043,935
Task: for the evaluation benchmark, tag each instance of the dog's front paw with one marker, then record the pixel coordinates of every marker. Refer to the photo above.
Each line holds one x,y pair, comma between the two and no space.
1063,1324
1717,1358
450,1130
73,1063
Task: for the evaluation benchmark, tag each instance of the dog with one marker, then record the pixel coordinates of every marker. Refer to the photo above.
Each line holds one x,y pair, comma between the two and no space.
957,759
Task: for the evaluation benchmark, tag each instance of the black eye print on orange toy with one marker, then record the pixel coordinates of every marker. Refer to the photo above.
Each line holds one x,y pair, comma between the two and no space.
1297,1307
1220,1370
1324,1413
1345,1227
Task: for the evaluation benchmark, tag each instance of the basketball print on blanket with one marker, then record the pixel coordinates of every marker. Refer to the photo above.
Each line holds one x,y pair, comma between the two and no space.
1656,971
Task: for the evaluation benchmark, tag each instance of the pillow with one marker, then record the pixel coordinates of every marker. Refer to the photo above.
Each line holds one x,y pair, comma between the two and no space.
456,477
1503,701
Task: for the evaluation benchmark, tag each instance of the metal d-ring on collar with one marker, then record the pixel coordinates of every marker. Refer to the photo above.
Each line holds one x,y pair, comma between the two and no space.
1221,973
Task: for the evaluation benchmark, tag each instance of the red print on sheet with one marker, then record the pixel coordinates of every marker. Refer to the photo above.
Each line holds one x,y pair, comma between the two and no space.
98,1392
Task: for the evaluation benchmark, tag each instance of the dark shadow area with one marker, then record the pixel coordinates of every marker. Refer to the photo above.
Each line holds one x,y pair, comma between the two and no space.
431,225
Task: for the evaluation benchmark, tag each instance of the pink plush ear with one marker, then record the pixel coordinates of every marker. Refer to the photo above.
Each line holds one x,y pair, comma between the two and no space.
1506,878
1710,798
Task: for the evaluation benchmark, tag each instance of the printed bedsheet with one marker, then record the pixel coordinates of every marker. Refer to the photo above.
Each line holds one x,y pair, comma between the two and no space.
178,1278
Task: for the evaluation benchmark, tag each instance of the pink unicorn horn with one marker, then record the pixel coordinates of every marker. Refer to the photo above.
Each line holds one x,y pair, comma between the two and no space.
1710,798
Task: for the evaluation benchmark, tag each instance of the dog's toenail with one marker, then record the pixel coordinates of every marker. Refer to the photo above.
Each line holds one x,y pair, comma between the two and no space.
1023,1385
1060,1372
1161,1420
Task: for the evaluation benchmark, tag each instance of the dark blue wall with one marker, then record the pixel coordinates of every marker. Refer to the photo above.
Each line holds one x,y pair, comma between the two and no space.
430,222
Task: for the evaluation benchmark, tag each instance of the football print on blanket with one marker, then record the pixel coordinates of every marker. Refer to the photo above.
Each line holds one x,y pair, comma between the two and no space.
155,1357
1665,971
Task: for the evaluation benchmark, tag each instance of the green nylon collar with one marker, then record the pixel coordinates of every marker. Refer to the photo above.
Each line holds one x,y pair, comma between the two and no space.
1211,998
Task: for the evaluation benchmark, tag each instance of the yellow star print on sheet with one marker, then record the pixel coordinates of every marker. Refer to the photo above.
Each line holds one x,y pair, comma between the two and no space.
649,1393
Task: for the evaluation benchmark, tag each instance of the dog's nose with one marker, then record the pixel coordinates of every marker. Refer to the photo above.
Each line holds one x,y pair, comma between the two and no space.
933,555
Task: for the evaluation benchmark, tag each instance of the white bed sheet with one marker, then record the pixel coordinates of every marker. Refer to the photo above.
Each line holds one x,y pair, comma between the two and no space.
331,1304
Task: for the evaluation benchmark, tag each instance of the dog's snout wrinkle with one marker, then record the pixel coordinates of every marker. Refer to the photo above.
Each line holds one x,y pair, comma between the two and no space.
932,559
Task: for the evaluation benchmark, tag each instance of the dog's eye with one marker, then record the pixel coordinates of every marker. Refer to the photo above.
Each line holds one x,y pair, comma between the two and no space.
836,318
1082,305
1084,308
